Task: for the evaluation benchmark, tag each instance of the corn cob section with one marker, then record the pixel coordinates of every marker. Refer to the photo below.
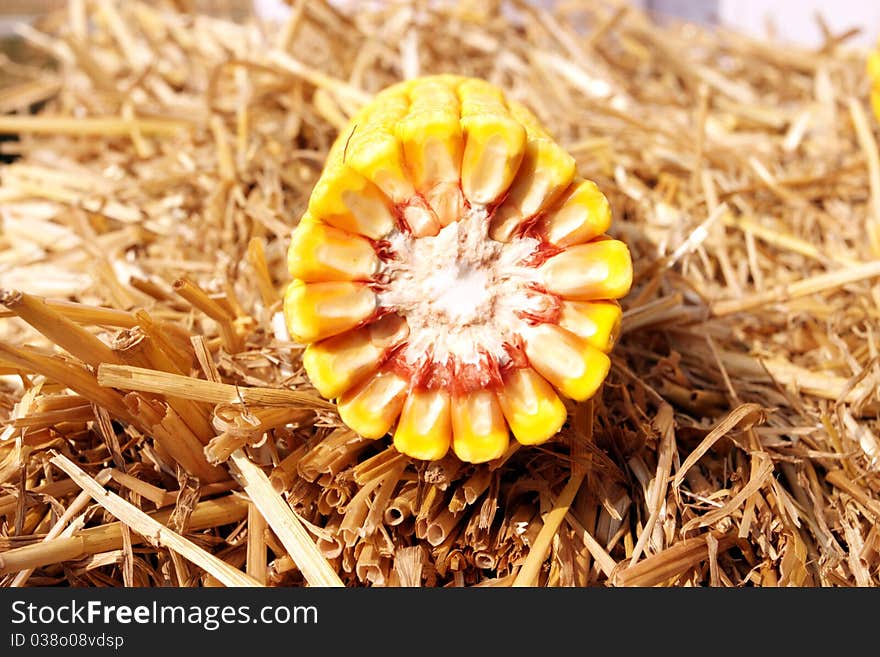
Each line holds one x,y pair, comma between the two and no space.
453,281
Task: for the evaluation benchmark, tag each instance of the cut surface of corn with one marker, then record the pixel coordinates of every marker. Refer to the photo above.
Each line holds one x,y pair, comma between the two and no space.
453,279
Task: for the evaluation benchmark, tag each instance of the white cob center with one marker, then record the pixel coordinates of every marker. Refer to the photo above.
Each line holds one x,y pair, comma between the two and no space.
460,291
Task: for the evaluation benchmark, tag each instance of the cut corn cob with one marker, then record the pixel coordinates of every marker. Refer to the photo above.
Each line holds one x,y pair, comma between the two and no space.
452,276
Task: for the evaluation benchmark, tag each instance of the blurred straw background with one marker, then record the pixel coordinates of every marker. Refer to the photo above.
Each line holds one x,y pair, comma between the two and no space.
158,155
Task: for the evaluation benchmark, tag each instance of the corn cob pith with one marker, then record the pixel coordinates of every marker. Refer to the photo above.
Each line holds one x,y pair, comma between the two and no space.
452,275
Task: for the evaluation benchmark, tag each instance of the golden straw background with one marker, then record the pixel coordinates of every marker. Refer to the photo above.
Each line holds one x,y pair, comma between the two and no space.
160,163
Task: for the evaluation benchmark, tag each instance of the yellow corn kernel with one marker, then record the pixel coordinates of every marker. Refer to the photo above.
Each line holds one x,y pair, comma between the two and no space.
493,142
372,408
479,431
571,364
344,198
425,427
544,174
319,252
314,311
597,322
531,407
336,364
601,269
582,215
373,149
433,145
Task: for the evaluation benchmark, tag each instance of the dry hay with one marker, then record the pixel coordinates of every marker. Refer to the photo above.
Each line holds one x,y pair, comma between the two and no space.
150,200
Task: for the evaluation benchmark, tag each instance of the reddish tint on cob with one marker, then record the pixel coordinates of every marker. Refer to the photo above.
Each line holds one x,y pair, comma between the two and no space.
452,275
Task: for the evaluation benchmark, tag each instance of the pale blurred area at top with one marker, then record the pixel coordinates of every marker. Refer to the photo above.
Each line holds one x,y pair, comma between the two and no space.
784,20
787,20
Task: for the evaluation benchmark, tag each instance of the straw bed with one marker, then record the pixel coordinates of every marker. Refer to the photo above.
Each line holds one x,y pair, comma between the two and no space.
157,171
